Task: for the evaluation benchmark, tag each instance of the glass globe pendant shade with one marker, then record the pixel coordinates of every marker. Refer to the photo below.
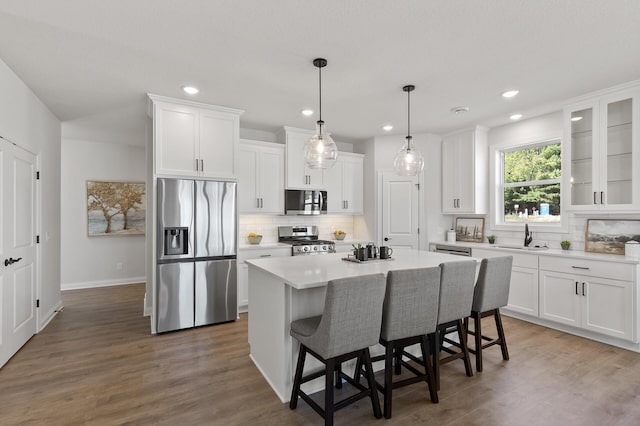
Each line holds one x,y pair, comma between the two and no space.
320,152
408,161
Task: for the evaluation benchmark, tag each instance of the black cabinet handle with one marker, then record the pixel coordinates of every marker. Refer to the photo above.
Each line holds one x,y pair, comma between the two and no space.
577,288
594,198
601,197
583,289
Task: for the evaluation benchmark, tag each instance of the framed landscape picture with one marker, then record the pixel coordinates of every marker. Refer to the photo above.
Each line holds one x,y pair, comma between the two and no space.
115,208
470,229
610,235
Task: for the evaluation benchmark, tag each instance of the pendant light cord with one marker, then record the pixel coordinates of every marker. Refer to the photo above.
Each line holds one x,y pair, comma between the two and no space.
320,122
408,120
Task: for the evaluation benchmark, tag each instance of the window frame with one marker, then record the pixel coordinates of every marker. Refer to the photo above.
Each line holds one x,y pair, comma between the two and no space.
497,185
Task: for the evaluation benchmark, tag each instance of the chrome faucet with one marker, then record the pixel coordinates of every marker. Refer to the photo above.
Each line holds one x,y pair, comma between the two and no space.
528,236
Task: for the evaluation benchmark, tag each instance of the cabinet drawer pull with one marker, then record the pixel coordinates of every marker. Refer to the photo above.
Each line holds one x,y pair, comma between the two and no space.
586,268
601,197
197,165
577,288
202,165
583,289
265,255
594,198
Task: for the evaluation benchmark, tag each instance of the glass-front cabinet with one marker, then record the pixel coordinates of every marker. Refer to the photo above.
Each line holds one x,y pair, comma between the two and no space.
602,164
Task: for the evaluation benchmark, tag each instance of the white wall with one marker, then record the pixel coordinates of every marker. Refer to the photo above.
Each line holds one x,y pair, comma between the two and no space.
380,153
91,261
540,128
26,121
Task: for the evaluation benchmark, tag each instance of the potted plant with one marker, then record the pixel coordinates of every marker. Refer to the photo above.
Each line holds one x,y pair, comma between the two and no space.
565,245
254,238
491,239
339,234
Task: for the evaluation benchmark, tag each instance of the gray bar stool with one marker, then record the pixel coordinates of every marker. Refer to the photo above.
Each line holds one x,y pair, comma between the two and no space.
349,324
410,313
490,294
456,296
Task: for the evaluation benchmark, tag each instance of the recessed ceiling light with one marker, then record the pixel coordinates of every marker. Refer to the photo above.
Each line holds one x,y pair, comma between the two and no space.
460,109
576,118
515,116
190,90
307,112
510,93
387,127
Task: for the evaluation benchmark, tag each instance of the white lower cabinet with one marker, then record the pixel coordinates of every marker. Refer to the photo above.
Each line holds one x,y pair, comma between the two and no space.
593,295
593,303
243,269
523,291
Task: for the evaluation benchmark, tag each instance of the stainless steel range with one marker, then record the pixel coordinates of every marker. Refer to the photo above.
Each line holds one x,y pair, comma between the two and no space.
304,240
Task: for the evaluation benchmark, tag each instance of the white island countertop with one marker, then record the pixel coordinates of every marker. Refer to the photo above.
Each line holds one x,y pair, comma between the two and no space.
303,272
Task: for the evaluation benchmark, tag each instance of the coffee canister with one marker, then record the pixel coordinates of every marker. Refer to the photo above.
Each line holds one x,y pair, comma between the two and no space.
451,236
632,249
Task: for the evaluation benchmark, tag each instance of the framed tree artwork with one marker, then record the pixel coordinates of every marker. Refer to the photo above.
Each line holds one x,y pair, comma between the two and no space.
115,208
470,229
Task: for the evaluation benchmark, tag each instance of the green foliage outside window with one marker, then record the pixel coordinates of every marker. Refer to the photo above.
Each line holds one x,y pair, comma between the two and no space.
532,166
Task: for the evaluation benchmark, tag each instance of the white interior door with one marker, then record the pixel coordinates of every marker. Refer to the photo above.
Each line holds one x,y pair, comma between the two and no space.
18,249
400,212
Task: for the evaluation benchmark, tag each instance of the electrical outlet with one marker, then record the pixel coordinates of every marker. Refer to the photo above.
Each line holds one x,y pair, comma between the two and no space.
119,266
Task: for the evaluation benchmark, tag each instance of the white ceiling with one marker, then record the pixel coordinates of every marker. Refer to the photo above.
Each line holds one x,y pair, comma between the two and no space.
93,61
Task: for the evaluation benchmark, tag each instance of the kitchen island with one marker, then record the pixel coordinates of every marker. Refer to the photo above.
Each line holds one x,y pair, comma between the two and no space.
285,289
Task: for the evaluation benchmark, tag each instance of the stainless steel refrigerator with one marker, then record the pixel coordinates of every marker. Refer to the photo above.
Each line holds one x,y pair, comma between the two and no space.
196,257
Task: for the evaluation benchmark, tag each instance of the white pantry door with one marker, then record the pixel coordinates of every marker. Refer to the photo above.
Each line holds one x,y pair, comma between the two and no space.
400,200
17,249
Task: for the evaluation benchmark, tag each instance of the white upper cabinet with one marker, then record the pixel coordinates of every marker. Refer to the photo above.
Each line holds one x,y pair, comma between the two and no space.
344,183
193,139
602,167
298,175
261,177
465,172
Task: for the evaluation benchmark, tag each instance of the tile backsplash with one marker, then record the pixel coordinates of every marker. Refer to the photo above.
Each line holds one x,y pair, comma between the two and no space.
267,226
577,230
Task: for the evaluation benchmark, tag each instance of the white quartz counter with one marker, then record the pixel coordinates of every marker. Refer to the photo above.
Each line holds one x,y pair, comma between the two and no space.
569,254
303,272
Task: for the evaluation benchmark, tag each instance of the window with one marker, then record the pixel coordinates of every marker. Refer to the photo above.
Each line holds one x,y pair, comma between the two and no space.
529,187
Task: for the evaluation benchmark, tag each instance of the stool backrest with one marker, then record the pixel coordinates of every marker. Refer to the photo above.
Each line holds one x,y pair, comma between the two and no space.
494,280
411,303
456,290
352,315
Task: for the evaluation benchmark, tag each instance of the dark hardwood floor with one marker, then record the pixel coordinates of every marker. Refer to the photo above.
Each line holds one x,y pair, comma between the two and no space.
96,363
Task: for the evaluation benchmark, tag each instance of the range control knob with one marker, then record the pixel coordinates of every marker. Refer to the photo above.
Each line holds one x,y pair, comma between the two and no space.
305,248
315,248
324,248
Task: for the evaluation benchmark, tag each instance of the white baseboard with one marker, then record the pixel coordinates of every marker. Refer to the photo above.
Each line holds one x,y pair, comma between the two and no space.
46,318
102,283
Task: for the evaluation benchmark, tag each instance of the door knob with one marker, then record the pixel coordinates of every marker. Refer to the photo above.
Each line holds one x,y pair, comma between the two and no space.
387,238
11,261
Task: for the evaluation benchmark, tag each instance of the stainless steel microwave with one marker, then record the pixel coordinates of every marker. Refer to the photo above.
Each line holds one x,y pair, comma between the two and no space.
305,202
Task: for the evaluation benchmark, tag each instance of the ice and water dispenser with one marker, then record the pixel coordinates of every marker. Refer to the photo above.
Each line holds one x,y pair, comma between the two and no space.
176,241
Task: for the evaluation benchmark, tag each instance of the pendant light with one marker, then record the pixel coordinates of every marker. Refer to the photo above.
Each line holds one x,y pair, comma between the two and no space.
408,161
320,152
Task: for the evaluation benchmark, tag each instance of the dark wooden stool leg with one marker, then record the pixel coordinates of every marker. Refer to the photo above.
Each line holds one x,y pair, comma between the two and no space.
429,371
463,343
503,342
477,322
358,370
398,363
388,378
293,402
435,343
328,392
371,381
339,376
